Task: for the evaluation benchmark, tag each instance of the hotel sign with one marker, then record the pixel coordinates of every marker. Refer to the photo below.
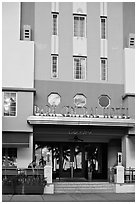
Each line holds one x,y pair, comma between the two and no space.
69,111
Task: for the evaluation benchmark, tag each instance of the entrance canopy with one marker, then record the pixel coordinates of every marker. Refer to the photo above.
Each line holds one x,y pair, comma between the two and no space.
35,120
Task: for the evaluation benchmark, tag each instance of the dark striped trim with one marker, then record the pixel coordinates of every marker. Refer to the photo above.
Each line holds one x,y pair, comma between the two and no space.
18,89
128,95
55,54
103,16
103,58
79,14
79,56
55,12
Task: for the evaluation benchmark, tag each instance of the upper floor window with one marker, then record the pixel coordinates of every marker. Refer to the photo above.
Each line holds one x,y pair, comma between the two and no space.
54,66
79,26
54,24
79,67
103,27
10,104
104,69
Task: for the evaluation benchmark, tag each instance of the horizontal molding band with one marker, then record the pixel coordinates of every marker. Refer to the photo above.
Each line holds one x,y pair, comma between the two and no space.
18,89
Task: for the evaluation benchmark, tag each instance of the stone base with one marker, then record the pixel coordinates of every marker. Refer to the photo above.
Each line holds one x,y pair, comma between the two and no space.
125,188
49,189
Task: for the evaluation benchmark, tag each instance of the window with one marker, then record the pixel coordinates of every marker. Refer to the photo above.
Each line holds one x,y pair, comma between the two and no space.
10,104
104,69
103,27
54,99
104,101
54,68
79,26
79,67
79,100
9,157
55,24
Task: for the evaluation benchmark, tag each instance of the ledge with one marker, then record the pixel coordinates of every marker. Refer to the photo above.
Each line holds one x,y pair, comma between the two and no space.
18,89
60,120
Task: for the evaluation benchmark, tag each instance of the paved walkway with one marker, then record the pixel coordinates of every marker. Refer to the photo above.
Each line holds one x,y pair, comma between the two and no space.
96,197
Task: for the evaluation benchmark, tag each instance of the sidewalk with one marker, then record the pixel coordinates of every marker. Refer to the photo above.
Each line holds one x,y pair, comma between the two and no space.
96,197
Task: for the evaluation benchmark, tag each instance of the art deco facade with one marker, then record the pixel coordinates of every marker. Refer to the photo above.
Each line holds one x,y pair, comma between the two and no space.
68,86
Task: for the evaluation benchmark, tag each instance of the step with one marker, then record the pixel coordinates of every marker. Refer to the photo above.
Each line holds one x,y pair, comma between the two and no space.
83,187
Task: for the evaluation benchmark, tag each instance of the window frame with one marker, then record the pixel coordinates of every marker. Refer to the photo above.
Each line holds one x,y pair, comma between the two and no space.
103,36
53,25
109,99
79,26
54,55
3,94
85,69
106,69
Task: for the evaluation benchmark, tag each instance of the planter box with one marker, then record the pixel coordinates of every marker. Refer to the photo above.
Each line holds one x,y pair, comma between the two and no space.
33,189
7,188
19,189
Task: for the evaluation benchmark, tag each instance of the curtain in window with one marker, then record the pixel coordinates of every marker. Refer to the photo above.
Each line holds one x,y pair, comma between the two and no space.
54,32
103,28
79,67
79,26
103,69
54,66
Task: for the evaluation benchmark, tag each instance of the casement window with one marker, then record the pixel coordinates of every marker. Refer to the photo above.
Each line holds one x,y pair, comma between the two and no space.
10,104
54,66
79,67
104,69
79,26
54,24
103,21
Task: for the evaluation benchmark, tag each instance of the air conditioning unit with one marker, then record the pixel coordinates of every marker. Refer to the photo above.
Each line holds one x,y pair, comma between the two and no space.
27,32
131,40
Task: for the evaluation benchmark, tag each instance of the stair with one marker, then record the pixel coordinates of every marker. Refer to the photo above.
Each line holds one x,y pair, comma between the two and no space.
83,187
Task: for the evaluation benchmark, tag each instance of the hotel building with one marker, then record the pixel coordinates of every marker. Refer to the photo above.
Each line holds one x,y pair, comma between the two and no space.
68,86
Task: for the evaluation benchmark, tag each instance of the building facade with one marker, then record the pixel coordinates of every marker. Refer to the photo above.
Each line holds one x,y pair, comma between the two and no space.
68,86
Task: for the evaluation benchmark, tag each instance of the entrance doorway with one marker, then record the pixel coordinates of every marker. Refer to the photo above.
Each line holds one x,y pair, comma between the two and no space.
72,161
75,160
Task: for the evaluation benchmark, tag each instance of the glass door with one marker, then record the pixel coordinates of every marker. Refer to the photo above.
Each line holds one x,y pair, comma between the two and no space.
66,161
72,158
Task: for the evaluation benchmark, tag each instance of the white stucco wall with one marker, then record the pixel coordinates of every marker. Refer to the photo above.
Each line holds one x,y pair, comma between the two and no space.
130,162
129,60
25,155
17,56
128,151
